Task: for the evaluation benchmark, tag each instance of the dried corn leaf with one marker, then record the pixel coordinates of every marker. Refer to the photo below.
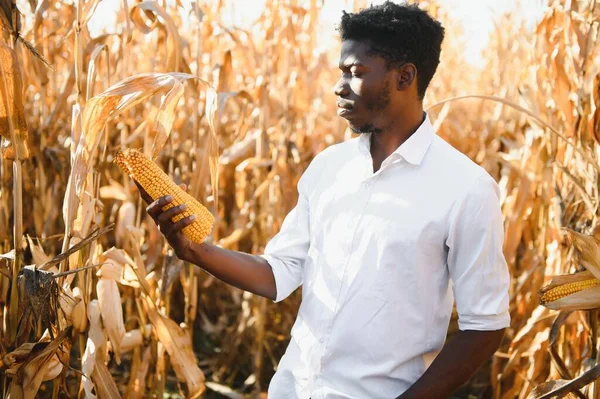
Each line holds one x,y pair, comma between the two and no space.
588,248
137,384
549,386
6,17
105,384
562,388
80,243
91,75
113,191
173,63
112,102
40,365
13,125
211,108
224,391
15,391
530,114
223,80
165,117
179,347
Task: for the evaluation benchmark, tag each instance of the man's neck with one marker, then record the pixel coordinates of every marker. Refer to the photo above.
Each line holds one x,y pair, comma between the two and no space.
386,141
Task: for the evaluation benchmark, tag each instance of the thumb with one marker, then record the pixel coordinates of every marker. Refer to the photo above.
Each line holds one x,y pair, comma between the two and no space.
183,186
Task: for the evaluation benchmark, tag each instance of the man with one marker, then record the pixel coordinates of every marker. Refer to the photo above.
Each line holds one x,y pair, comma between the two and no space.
384,222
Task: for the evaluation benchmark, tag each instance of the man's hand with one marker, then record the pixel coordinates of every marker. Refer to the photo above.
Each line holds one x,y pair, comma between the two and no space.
247,272
455,364
172,231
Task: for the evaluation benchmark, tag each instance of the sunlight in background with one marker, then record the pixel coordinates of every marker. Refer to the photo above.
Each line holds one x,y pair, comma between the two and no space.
476,17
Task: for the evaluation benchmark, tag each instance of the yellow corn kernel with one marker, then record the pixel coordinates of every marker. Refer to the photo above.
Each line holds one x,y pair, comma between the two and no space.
158,184
561,291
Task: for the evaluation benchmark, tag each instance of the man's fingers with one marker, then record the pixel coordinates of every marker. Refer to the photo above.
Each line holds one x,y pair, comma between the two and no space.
171,213
168,229
155,208
183,186
183,223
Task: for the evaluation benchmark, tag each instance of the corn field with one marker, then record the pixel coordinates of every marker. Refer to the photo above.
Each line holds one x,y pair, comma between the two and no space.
95,304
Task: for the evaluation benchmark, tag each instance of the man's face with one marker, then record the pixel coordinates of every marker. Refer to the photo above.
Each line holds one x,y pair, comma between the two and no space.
364,88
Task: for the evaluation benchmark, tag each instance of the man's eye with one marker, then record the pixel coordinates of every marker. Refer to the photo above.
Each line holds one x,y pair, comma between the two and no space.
349,74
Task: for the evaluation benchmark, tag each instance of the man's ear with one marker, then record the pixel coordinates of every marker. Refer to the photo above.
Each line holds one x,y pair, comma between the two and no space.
406,76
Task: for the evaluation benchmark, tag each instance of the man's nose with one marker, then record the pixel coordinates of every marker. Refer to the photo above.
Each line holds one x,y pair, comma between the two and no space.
341,88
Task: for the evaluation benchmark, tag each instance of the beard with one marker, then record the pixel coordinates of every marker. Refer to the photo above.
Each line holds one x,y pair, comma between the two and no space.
374,105
365,129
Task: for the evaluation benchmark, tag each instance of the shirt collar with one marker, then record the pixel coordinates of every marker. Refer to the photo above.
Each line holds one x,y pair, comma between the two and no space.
412,150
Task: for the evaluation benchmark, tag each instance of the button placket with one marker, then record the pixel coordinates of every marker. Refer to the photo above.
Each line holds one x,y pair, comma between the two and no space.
328,323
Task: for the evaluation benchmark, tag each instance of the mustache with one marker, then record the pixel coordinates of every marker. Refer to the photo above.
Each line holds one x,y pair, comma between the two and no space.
344,104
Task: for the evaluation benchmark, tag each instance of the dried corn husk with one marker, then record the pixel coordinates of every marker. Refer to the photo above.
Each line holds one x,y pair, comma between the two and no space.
132,339
52,369
75,259
126,220
109,300
78,315
110,269
94,349
121,264
17,357
586,299
39,256
113,191
41,363
67,302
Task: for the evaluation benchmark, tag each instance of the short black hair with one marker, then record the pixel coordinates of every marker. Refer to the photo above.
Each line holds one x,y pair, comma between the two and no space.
399,33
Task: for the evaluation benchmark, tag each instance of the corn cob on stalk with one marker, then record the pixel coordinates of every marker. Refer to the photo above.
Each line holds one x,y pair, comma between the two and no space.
561,291
157,184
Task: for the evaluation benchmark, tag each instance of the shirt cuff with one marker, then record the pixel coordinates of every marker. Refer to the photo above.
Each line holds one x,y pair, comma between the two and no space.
277,266
484,323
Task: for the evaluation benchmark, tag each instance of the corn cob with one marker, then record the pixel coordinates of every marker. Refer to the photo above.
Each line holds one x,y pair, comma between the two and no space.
561,291
157,184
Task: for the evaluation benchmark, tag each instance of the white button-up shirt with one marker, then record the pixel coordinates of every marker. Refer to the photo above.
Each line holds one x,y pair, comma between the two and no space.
381,257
